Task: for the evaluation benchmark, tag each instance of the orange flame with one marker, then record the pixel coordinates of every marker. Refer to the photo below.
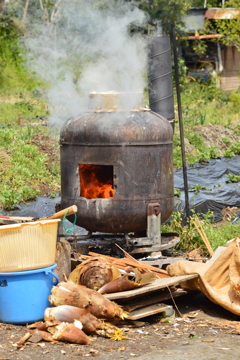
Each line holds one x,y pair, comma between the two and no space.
96,181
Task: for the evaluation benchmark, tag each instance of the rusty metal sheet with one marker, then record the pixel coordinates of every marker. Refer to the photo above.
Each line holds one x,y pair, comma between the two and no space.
222,14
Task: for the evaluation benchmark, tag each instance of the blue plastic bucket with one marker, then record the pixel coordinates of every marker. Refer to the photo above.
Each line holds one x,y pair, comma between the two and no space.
24,294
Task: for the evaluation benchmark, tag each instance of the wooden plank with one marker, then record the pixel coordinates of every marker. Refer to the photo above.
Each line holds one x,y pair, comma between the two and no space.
153,298
148,310
229,82
156,285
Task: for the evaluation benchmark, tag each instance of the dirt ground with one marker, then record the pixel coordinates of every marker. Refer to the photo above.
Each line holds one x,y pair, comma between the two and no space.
216,136
204,331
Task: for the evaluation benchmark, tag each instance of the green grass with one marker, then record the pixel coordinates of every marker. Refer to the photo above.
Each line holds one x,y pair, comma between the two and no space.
204,104
219,235
23,166
190,239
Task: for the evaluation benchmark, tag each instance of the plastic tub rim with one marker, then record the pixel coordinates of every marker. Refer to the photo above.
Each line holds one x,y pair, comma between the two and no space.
28,272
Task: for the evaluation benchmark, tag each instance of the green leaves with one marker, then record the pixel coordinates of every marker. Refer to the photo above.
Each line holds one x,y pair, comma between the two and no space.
228,28
167,11
9,198
233,178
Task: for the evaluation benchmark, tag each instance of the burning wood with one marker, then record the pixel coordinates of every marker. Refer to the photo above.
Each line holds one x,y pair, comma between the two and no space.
96,181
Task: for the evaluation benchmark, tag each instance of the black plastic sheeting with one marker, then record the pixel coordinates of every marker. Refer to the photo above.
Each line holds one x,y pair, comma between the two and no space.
211,176
41,208
215,194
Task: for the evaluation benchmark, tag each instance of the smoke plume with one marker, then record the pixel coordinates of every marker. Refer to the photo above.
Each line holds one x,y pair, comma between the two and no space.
85,47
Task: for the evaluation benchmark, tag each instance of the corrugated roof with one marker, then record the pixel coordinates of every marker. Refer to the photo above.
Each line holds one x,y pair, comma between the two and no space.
218,13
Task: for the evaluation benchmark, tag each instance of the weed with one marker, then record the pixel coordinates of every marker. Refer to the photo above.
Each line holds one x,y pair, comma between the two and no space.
177,192
226,140
233,178
228,153
196,188
53,194
213,152
189,237
235,147
10,198
235,101
219,235
203,156
218,108
202,118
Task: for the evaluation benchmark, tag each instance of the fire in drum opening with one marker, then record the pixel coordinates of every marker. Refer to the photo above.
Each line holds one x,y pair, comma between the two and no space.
96,181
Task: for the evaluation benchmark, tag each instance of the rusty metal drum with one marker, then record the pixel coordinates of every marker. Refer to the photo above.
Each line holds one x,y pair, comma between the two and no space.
113,164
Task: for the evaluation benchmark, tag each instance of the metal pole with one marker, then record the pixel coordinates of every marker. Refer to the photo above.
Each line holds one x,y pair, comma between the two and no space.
173,35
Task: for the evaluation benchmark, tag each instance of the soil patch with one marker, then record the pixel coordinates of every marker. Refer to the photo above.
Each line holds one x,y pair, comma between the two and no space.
217,136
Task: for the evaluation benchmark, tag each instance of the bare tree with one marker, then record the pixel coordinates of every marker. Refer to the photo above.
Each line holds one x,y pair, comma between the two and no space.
25,9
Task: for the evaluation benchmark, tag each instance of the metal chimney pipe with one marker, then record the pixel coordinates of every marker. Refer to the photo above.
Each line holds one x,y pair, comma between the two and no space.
160,77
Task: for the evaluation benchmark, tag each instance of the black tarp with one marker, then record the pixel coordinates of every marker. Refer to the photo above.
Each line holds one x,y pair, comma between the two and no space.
215,193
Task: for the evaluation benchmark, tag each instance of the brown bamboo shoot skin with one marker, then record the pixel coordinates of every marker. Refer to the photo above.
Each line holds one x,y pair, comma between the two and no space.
82,297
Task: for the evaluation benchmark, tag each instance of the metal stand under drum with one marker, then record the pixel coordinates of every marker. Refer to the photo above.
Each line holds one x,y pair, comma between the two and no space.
154,241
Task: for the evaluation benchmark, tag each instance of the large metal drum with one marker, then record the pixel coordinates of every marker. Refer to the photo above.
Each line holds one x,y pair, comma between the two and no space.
113,164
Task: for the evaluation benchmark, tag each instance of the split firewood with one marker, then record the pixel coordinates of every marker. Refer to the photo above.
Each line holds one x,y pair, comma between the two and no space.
83,297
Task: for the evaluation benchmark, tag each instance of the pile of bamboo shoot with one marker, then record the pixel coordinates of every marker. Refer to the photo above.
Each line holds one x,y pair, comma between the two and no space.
76,313
78,307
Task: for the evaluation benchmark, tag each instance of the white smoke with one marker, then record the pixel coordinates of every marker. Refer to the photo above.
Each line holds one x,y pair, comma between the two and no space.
87,47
